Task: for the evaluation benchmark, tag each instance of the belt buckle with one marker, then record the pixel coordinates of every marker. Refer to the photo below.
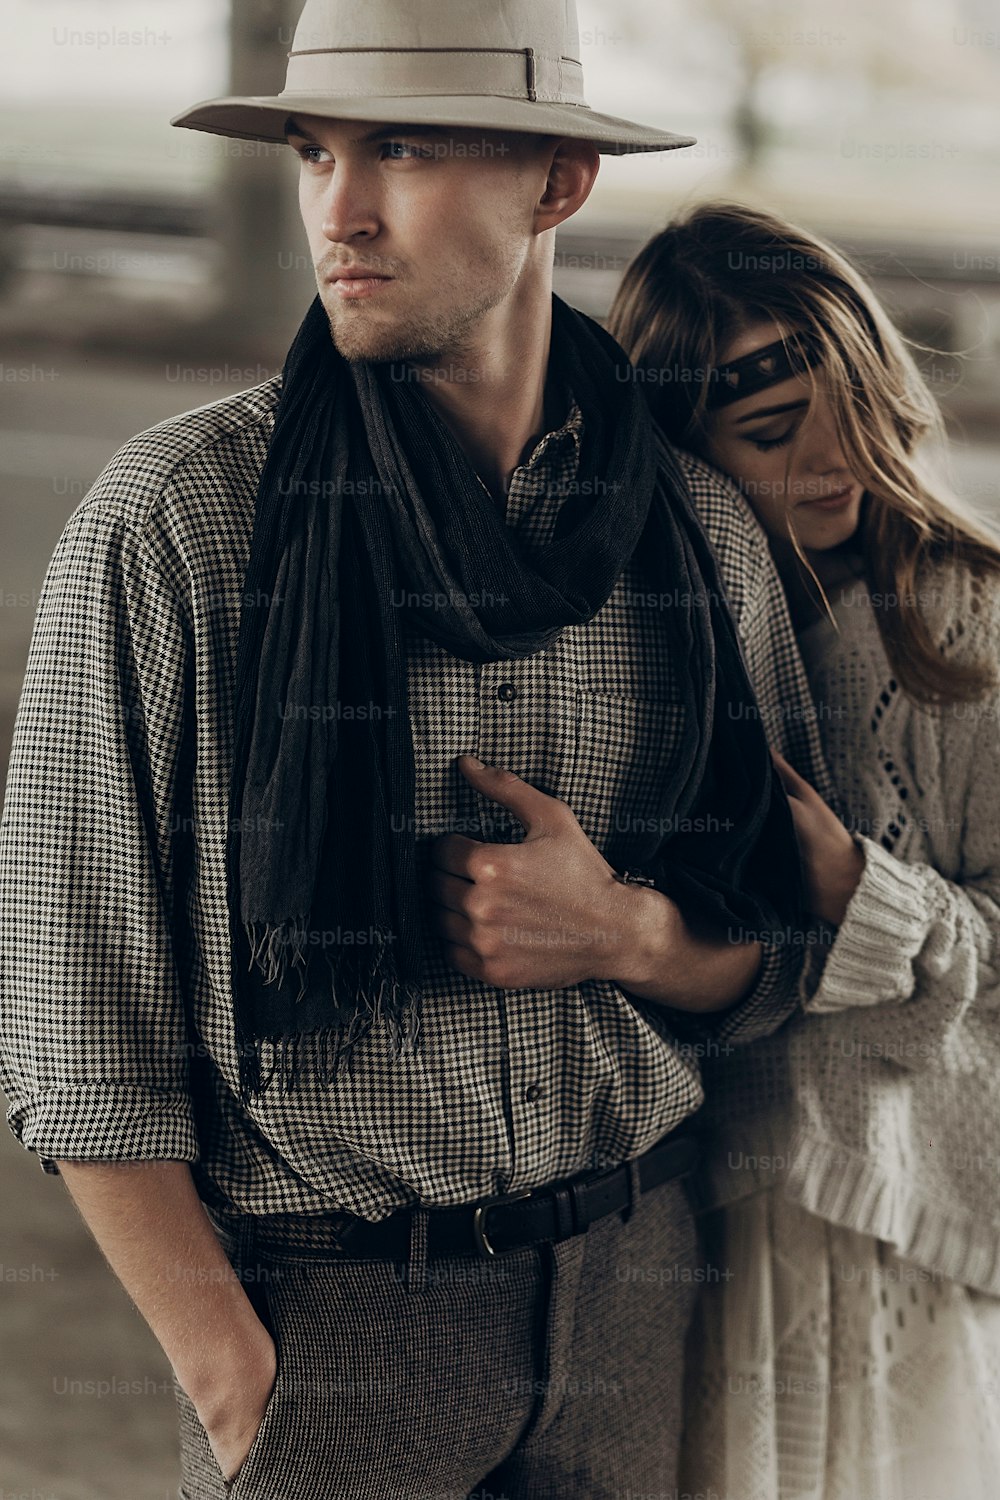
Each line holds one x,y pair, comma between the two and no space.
485,1249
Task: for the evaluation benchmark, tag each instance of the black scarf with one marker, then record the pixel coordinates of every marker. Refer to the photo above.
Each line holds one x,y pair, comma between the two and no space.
366,496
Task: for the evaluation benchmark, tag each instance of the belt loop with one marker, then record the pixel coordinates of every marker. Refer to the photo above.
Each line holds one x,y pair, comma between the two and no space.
634,1188
416,1271
567,1215
249,1270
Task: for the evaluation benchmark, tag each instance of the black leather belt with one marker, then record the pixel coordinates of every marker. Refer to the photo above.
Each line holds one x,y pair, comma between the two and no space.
511,1221
558,1212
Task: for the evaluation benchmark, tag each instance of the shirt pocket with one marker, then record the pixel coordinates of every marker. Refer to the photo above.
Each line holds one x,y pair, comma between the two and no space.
627,752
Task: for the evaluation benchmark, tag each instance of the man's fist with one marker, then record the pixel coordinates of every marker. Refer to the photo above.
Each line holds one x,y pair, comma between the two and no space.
543,914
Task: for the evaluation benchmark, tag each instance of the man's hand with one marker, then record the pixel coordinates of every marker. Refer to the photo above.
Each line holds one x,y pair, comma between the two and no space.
156,1235
833,861
547,913
232,1414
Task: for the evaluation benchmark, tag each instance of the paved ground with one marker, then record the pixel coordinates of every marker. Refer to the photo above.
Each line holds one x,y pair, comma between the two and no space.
87,1410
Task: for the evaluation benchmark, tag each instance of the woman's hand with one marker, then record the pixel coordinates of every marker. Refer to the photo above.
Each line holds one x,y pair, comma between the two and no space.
833,860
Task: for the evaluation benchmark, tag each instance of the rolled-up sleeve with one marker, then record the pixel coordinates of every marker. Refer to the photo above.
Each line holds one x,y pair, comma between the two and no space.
94,1050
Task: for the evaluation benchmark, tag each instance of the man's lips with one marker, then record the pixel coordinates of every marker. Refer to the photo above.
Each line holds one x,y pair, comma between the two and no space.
354,282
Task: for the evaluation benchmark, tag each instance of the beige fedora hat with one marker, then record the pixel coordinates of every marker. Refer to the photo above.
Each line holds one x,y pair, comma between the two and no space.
487,64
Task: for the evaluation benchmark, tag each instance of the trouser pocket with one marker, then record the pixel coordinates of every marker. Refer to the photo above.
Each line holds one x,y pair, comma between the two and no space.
202,1476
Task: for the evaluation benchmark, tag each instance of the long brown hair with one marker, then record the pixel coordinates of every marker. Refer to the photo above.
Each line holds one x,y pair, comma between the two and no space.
722,267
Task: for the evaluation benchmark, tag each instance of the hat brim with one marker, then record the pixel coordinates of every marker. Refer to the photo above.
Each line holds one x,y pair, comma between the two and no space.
262,119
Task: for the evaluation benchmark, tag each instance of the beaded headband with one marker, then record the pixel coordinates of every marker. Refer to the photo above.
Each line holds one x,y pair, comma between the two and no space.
764,367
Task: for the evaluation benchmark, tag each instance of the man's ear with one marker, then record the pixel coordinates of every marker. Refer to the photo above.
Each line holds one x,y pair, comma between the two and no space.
572,173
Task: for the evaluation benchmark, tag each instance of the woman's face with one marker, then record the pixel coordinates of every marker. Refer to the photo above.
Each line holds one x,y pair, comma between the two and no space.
750,440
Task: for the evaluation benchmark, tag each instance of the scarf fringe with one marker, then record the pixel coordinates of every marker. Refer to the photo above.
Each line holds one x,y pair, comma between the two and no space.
366,993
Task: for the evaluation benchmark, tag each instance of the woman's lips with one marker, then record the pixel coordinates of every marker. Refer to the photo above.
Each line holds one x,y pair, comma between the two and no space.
836,501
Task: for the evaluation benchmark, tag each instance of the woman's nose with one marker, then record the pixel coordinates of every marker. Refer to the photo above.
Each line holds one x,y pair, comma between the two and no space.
824,450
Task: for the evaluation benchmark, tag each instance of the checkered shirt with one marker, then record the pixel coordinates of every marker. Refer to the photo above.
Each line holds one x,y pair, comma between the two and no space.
116,1016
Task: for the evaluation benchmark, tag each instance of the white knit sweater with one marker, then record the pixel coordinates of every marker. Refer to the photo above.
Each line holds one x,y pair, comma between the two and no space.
879,1109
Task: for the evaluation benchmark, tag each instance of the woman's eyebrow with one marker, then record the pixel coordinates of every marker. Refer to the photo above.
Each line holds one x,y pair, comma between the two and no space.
772,411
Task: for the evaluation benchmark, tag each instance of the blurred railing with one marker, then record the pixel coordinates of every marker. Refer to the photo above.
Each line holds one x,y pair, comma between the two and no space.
943,296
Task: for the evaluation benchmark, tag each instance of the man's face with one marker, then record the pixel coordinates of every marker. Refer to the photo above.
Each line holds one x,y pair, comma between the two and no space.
440,219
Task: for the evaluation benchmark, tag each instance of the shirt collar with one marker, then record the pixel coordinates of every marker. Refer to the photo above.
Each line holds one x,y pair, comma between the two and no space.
570,431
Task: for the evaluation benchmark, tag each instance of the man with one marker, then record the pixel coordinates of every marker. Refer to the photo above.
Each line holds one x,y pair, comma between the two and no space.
360,1058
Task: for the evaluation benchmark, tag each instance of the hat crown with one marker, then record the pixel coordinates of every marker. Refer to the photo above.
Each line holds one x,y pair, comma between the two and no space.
550,27
481,65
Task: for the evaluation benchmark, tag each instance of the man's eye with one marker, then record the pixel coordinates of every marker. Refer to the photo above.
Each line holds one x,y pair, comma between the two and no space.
311,154
404,150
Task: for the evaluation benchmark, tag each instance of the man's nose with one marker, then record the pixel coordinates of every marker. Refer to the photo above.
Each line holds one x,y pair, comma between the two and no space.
349,209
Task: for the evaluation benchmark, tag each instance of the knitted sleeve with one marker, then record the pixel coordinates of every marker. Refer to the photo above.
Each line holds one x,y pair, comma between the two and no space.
915,950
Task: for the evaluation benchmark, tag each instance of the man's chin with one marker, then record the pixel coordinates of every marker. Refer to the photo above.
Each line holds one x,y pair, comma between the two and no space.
365,344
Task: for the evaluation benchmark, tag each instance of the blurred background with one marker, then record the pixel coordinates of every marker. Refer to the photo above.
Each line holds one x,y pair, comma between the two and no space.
146,270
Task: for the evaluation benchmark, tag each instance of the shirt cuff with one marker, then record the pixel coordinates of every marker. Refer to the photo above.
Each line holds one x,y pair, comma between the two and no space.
771,1001
106,1122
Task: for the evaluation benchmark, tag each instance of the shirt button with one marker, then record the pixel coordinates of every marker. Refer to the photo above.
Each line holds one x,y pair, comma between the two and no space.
506,692
532,1092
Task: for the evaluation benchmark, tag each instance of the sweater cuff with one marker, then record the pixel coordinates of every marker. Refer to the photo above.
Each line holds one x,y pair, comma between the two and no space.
884,928
105,1122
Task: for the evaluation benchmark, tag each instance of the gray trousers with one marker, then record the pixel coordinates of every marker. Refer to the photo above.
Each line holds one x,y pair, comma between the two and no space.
552,1373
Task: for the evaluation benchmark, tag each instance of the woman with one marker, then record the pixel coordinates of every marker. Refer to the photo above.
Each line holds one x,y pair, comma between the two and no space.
847,1346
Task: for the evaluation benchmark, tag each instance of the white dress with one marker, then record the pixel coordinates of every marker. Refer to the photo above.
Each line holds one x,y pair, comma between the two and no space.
822,1367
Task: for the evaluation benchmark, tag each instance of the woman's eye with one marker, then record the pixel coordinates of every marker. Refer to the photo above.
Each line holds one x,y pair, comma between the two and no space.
766,444
310,154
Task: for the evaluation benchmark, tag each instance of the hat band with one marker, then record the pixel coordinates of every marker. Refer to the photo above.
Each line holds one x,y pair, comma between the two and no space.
422,72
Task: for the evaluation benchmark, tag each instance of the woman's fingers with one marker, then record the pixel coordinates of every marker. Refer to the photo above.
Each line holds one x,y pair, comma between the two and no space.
794,784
